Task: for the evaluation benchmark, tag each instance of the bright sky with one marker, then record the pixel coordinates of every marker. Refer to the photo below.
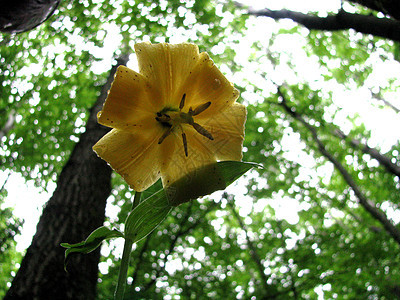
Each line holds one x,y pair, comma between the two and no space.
27,201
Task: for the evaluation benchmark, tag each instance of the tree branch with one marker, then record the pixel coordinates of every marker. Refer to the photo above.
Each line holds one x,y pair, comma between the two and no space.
382,159
24,15
253,251
286,257
362,199
382,27
388,7
378,97
5,182
8,125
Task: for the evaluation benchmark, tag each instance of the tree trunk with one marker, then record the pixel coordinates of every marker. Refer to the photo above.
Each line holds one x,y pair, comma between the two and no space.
76,208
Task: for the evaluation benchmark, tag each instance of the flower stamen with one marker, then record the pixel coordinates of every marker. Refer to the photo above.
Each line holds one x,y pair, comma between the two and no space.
176,119
199,109
202,131
182,103
184,143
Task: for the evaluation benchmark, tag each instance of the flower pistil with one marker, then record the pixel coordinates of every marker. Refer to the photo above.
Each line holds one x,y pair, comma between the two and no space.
172,118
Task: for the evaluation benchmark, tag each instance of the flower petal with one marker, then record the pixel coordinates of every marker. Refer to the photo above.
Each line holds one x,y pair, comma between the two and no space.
172,77
227,129
136,157
166,66
128,102
206,83
180,165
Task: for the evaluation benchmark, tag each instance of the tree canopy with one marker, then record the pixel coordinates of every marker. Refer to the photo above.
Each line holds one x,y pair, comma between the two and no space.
320,85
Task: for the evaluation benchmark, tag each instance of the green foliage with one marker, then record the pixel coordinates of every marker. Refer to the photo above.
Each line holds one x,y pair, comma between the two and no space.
241,244
49,88
10,226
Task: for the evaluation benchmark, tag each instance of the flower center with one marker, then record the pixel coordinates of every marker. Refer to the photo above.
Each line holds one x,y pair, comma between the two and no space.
172,118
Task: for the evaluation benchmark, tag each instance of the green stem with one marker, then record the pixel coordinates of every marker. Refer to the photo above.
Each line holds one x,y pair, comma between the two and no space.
123,270
136,200
126,255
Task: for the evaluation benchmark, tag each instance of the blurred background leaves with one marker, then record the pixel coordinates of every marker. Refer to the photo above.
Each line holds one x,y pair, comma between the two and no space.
293,230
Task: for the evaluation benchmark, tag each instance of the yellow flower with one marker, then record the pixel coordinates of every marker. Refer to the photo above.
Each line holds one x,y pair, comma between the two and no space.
177,115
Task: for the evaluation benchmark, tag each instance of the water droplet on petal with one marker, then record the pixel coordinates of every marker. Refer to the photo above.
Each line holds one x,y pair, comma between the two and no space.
216,84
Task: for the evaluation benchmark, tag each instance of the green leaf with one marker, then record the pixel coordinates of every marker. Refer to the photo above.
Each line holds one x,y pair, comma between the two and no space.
199,182
206,180
146,216
92,242
232,170
149,214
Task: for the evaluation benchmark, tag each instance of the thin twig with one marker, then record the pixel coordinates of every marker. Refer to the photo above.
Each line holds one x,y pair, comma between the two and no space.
253,251
5,182
373,152
378,97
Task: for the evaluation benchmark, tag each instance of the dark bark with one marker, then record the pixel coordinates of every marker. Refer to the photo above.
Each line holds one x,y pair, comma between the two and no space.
76,208
17,16
382,27
388,7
